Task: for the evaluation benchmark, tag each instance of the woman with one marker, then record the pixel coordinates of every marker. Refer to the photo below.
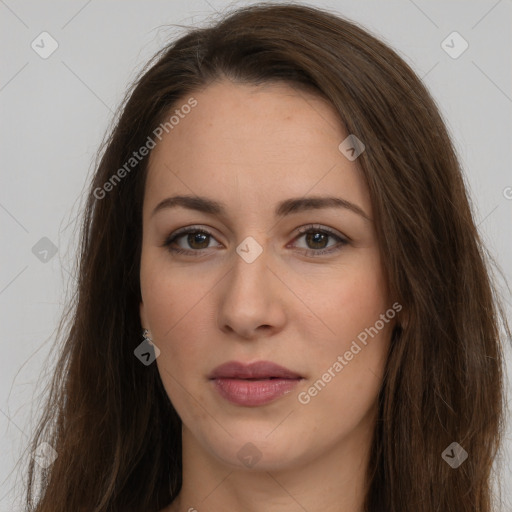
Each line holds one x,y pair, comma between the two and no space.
280,212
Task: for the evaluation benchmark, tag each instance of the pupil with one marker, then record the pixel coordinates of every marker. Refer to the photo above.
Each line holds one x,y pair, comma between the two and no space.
318,238
197,237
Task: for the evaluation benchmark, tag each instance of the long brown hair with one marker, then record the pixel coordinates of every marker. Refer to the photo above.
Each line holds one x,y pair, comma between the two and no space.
118,437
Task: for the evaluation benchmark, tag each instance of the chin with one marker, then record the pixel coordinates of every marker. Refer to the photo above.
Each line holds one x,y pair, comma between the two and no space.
260,451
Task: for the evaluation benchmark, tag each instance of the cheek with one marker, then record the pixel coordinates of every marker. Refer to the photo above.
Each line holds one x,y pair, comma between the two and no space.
343,389
175,305
343,407
350,307
182,358
345,301
173,301
163,309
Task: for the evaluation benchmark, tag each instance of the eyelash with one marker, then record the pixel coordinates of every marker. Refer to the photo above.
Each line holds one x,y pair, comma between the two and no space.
302,231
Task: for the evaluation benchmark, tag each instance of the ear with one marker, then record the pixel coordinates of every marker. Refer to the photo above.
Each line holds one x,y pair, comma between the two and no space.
143,318
403,318
402,314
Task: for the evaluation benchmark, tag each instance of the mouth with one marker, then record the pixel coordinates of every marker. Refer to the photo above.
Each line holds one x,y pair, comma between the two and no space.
260,370
255,384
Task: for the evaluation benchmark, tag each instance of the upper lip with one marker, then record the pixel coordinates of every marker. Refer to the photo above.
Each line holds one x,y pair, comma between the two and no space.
257,370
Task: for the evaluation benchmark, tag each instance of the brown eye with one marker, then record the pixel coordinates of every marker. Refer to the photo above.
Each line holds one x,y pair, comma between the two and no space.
196,240
317,240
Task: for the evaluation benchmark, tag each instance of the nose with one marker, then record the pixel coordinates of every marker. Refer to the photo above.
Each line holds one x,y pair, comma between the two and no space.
251,301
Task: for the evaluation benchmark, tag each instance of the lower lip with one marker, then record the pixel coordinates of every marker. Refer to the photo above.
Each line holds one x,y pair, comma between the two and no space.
252,393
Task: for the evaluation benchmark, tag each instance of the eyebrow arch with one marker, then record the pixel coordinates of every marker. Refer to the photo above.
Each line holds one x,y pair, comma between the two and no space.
286,207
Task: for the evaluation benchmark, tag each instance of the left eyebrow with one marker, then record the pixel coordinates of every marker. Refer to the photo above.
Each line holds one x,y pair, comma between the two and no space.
284,208
301,204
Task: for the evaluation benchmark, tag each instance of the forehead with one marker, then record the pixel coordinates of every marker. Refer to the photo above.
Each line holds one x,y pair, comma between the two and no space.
259,142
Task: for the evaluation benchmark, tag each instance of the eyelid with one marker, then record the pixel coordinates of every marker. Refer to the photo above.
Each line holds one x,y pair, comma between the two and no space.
185,231
320,227
342,241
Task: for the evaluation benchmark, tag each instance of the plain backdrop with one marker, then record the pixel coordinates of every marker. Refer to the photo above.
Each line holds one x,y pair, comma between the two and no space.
55,111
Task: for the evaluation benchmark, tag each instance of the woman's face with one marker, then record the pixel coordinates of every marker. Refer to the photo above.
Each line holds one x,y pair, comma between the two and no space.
276,278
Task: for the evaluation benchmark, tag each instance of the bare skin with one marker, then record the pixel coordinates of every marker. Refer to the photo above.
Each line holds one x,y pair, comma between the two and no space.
300,303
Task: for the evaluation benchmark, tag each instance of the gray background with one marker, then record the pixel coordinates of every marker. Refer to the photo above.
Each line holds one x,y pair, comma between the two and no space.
54,113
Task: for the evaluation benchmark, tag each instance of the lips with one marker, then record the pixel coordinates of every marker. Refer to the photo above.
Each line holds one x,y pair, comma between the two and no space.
255,384
258,370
